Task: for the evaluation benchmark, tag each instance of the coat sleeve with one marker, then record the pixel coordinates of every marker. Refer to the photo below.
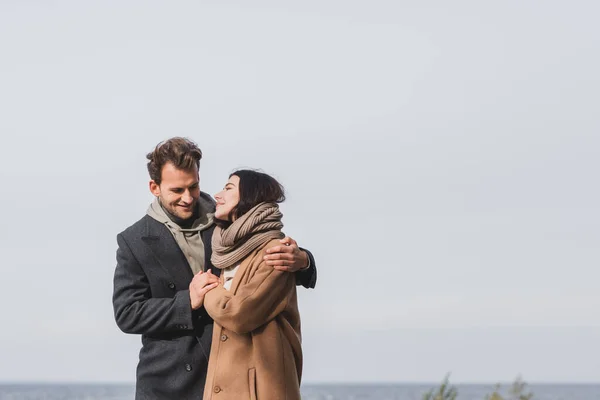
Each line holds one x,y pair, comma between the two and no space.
255,303
136,311
308,277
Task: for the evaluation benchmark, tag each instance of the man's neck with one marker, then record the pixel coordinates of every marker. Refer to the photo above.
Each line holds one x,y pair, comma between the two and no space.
183,223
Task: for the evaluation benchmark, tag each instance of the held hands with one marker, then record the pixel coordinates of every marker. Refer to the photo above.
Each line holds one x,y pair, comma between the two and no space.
200,285
287,257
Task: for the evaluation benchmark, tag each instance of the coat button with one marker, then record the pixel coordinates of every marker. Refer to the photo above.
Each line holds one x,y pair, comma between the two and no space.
188,367
223,337
171,285
217,389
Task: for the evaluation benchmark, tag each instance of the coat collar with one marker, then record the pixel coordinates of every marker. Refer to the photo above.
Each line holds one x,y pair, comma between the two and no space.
239,274
166,250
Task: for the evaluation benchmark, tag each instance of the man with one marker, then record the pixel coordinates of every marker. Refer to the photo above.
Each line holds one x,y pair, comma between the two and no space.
160,278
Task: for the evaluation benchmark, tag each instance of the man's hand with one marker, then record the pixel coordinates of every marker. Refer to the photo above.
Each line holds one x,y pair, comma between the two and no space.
200,285
287,257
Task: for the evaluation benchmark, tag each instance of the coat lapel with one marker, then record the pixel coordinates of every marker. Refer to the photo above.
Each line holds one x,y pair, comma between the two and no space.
167,252
241,273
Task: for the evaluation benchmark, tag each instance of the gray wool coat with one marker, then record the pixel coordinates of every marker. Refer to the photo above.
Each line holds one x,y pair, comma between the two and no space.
151,298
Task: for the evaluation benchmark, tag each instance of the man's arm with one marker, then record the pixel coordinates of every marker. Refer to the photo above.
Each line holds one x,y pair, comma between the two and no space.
307,277
290,258
135,310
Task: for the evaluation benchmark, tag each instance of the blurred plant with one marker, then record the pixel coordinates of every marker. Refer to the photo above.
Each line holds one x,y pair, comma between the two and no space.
495,394
444,392
516,391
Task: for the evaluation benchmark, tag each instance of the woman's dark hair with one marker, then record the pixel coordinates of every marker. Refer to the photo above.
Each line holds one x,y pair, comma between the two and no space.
255,188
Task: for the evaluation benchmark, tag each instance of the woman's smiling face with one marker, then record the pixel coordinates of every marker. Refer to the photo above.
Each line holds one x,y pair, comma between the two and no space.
228,198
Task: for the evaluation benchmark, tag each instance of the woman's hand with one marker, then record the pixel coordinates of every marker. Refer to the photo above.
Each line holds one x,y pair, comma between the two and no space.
200,285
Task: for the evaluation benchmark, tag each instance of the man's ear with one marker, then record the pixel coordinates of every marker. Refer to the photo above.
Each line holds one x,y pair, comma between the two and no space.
154,188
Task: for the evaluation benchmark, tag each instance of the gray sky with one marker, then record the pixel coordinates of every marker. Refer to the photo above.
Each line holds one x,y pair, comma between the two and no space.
440,160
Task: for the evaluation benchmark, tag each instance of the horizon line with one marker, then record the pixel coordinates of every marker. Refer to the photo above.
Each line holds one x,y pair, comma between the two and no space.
316,383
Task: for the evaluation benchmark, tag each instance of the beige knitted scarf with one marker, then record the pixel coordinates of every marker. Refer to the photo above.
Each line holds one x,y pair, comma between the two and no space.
247,233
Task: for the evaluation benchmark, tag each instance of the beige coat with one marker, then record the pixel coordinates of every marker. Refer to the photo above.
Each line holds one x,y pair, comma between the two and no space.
256,352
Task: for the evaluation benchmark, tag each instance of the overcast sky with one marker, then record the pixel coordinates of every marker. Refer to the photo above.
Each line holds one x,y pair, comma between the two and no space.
440,158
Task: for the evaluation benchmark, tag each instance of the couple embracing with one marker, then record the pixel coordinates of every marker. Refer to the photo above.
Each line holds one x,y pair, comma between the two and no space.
211,285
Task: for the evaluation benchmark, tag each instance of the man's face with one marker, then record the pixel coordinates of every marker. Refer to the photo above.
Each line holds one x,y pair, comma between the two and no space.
178,191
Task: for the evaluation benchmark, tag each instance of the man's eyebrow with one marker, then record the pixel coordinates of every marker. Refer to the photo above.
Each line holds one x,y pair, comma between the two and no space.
183,187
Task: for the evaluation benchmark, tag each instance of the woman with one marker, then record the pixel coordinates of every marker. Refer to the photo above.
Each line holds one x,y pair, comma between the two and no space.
256,352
